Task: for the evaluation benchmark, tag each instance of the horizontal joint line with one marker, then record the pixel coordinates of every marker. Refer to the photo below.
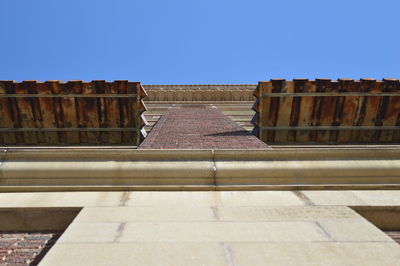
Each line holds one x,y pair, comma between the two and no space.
67,129
67,95
329,94
330,128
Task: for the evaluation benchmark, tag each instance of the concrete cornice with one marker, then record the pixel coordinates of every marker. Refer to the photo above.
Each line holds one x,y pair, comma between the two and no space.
199,86
117,169
200,93
288,153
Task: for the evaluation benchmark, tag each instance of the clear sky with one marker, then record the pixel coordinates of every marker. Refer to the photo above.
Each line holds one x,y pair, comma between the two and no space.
198,42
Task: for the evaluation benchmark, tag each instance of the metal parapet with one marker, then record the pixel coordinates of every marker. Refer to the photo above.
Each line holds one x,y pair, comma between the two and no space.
71,113
328,112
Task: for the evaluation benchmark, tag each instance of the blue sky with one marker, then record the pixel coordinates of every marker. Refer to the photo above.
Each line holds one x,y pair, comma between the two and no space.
198,42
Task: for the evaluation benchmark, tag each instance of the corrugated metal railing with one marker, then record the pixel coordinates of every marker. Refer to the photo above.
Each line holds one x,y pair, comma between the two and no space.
71,113
327,112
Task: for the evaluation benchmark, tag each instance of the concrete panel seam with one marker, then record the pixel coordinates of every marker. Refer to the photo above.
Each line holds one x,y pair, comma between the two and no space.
120,231
214,168
303,198
124,198
215,212
228,254
325,232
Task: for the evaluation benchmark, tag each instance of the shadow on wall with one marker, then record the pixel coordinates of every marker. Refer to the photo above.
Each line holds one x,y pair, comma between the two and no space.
232,133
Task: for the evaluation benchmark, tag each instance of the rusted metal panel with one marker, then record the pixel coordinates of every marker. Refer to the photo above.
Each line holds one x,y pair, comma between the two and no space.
316,111
81,110
325,108
396,134
273,112
369,110
123,88
91,116
349,106
390,111
6,115
55,88
265,112
37,114
284,111
296,102
112,113
68,107
325,111
133,113
46,106
99,88
72,113
26,116
306,111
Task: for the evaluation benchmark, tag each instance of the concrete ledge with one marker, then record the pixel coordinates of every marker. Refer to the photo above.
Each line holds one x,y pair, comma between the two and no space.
124,169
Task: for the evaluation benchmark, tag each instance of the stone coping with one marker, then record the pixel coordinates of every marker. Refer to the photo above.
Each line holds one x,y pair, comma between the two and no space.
114,169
